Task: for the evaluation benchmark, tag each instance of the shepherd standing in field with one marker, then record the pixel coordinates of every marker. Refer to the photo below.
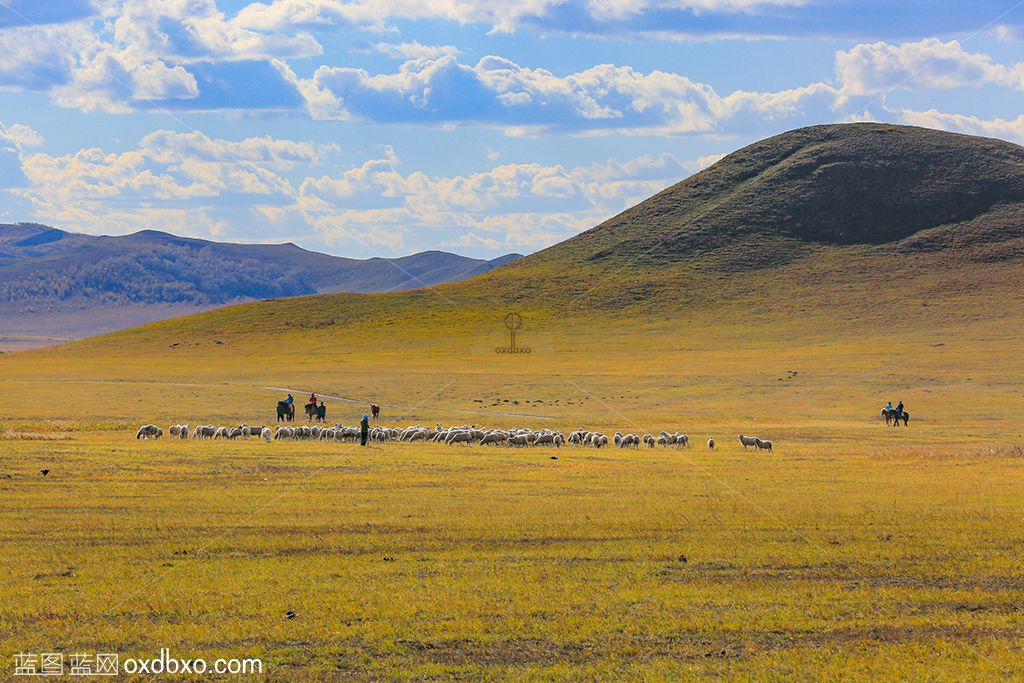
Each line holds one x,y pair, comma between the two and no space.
364,429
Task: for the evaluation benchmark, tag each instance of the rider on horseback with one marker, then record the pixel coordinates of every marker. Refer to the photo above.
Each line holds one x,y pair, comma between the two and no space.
888,407
312,399
289,401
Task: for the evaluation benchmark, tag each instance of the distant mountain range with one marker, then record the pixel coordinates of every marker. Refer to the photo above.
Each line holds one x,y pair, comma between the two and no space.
56,285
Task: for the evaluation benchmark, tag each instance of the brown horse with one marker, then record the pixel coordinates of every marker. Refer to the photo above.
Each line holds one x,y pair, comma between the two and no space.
316,413
375,410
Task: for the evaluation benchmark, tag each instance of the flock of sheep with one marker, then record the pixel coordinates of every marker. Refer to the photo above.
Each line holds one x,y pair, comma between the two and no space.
464,434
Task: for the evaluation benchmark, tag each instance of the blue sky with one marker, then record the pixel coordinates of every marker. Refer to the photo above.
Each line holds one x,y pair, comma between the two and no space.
384,127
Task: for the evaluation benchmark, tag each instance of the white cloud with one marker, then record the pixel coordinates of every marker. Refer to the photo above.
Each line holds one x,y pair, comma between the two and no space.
167,146
503,16
874,68
197,30
509,206
115,80
139,50
169,173
497,91
20,135
39,57
1007,129
415,50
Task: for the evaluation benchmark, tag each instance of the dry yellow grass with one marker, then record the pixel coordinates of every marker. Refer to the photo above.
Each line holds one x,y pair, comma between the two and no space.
830,560
855,552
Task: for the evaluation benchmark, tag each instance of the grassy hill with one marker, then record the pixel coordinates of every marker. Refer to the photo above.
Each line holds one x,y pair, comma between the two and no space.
864,225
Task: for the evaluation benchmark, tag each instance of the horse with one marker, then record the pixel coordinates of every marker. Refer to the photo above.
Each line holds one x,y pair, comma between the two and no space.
285,411
317,413
893,417
374,411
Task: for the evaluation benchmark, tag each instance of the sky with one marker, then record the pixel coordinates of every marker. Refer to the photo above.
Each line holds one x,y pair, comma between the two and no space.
385,127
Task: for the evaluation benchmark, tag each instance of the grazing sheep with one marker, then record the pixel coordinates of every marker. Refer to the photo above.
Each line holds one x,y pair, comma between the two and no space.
662,440
460,436
683,440
174,430
235,433
711,443
496,437
763,445
748,441
266,434
546,438
629,440
649,440
149,432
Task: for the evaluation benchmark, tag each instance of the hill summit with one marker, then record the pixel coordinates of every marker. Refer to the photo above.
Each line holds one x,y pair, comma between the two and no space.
843,184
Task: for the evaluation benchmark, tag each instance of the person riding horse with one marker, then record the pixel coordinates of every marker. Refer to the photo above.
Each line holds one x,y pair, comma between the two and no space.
894,415
286,409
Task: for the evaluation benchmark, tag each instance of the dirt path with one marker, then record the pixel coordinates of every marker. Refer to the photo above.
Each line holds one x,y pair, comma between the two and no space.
344,399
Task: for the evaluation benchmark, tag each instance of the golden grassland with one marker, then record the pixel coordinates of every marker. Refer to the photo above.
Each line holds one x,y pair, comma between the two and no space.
895,560
856,551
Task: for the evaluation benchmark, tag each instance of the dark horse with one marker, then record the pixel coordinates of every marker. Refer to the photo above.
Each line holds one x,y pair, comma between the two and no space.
893,417
318,413
374,410
285,411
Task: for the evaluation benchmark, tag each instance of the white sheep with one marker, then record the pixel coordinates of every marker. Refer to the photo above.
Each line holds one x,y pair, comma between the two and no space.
496,437
266,434
748,441
545,438
711,443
